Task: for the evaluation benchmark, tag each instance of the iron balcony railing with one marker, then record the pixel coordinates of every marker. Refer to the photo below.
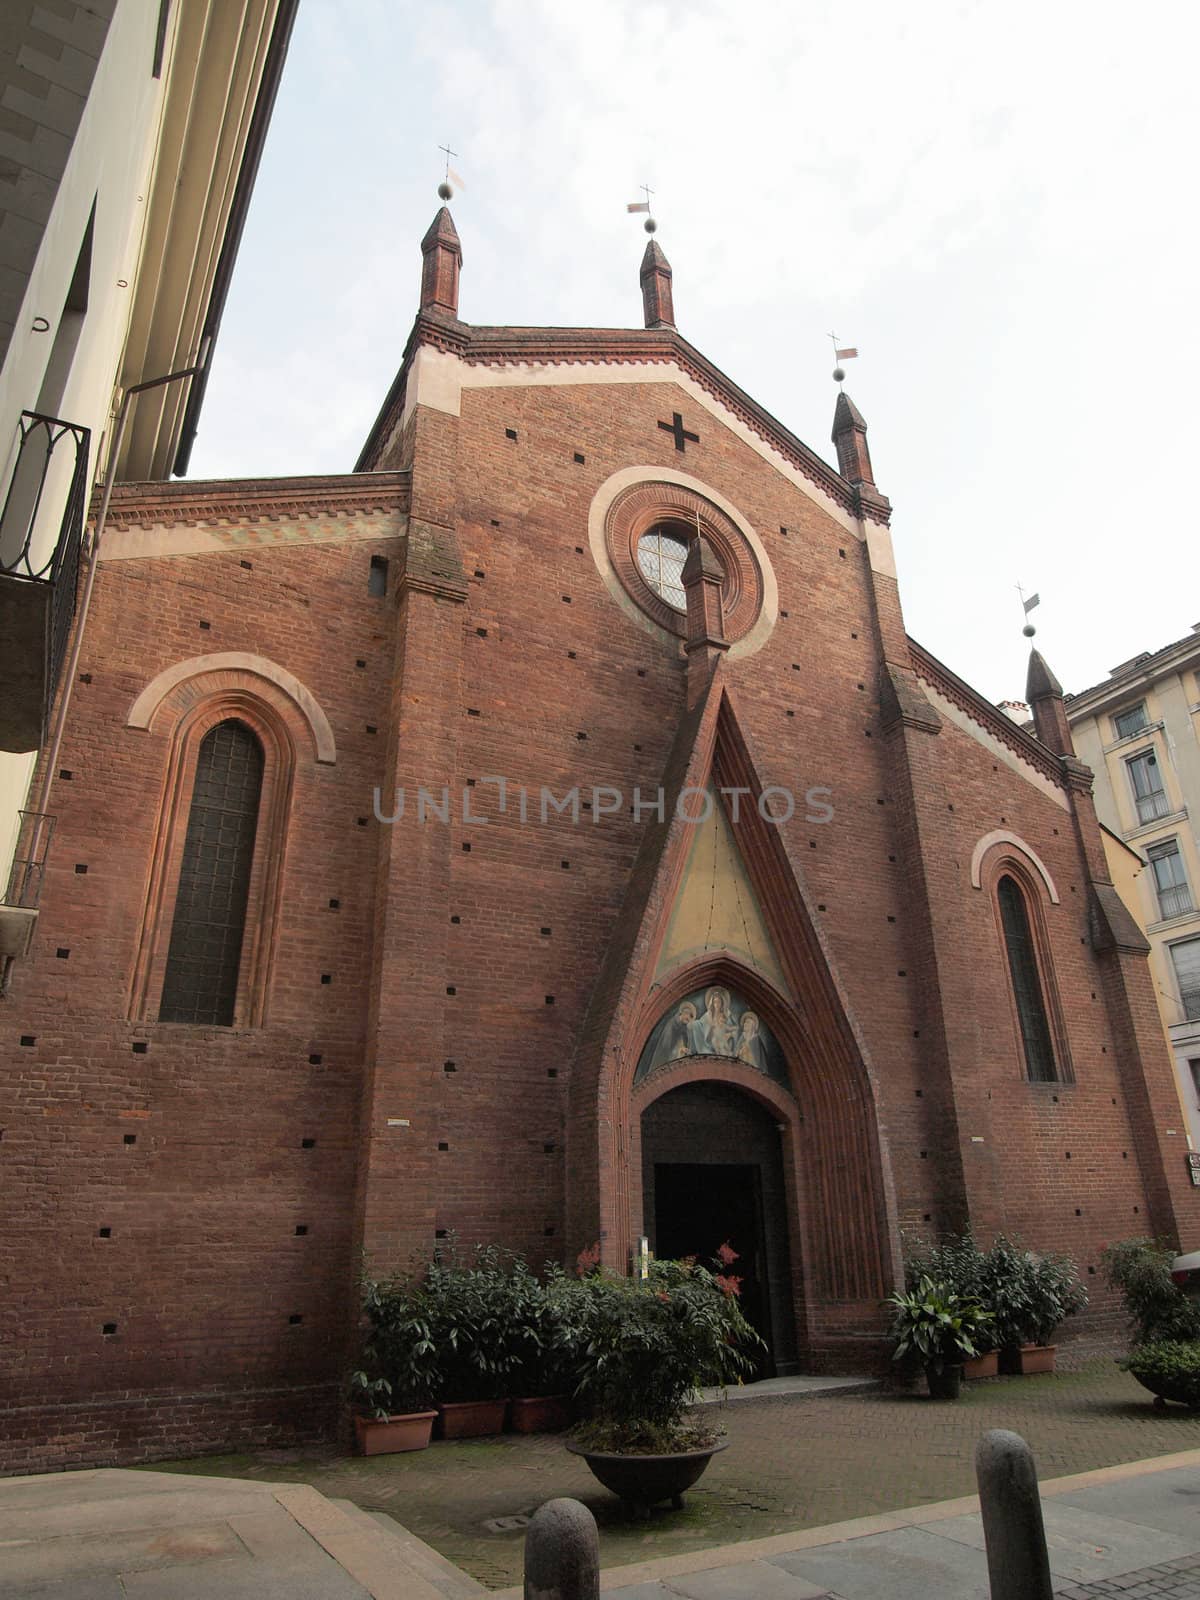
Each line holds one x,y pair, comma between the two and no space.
51,468
1153,805
1175,900
34,832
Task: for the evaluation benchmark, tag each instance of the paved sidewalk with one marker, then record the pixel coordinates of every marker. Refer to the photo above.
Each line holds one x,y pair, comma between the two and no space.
116,1535
1131,1532
796,1461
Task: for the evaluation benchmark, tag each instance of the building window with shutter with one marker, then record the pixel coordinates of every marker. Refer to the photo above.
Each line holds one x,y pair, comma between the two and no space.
1036,1040
1128,722
1149,796
1186,957
1170,879
204,955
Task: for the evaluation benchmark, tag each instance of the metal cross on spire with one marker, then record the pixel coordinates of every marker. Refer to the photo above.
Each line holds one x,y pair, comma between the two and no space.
444,189
644,205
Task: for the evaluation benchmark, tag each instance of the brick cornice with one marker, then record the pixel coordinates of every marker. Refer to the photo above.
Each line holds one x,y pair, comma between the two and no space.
968,700
502,347
253,499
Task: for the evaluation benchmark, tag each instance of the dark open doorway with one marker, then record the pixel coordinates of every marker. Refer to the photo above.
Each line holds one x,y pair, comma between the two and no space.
699,1208
712,1171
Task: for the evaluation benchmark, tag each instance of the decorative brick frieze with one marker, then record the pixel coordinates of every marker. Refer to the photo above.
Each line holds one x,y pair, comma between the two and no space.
188,502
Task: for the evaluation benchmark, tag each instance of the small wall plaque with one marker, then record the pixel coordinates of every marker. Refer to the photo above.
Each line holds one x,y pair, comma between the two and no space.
1193,1164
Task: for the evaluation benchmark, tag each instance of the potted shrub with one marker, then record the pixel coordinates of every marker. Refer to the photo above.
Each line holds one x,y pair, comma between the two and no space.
941,1328
545,1377
476,1312
394,1390
1164,1322
646,1345
1157,1308
959,1265
1055,1293
1006,1288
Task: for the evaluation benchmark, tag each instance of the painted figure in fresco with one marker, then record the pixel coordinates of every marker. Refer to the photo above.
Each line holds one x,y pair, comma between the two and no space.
675,1040
750,1048
715,1033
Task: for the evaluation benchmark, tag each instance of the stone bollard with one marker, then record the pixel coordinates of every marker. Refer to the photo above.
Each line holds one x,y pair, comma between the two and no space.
1018,1566
562,1553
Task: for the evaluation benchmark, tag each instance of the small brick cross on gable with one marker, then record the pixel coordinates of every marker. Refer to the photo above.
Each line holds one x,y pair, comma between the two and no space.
676,427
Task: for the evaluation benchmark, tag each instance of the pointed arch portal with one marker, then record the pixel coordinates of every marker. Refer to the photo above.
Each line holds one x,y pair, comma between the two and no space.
830,1253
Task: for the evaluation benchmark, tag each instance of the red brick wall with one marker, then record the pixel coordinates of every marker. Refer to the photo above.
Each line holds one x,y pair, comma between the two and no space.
519,664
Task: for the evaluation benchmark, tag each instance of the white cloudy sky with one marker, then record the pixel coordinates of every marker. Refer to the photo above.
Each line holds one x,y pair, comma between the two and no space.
996,202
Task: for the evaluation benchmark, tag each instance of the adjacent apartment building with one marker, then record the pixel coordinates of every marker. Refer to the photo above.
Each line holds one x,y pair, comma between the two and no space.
130,132
1139,731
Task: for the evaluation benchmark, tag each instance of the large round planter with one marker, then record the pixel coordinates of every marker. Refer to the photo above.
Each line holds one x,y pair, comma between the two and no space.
946,1384
982,1366
471,1419
1182,1393
645,1481
380,1437
547,1413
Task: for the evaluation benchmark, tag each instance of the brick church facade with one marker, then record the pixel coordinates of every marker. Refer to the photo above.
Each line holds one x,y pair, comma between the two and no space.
547,833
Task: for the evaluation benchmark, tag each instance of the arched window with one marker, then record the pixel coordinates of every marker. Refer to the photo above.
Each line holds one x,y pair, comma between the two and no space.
1036,1037
204,956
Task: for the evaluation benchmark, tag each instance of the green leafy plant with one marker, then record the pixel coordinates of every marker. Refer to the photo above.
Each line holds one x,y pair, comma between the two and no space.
1167,1367
1158,1310
482,1318
1007,1288
1055,1294
959,1265
400,1371
935,1324
645,1345
553,1313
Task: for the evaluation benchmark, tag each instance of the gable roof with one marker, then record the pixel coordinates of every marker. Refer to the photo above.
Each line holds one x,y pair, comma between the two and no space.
508,346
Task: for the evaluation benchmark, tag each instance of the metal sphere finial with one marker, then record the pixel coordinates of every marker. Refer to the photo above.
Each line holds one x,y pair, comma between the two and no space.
445,192
650,225
1029,630
839,374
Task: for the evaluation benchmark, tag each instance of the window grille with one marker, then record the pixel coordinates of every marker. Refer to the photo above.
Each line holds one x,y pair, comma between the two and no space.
1170,879
661,556
1027,983
214,879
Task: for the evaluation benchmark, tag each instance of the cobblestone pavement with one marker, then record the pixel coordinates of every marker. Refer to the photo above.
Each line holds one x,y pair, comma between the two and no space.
792,1463
1178,1579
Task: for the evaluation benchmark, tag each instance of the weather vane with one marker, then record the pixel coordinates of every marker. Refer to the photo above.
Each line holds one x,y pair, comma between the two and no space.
1027,606
644,205
848,353
445,192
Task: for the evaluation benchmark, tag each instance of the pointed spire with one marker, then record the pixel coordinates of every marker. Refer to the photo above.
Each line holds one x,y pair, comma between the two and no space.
443,261
850,437
1040,681
656,288
1044,694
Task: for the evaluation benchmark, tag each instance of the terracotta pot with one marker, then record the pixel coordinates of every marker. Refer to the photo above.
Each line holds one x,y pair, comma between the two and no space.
409,1431
643,1481
946,1384
985,1366
1037,1357
471,1419
547,1413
